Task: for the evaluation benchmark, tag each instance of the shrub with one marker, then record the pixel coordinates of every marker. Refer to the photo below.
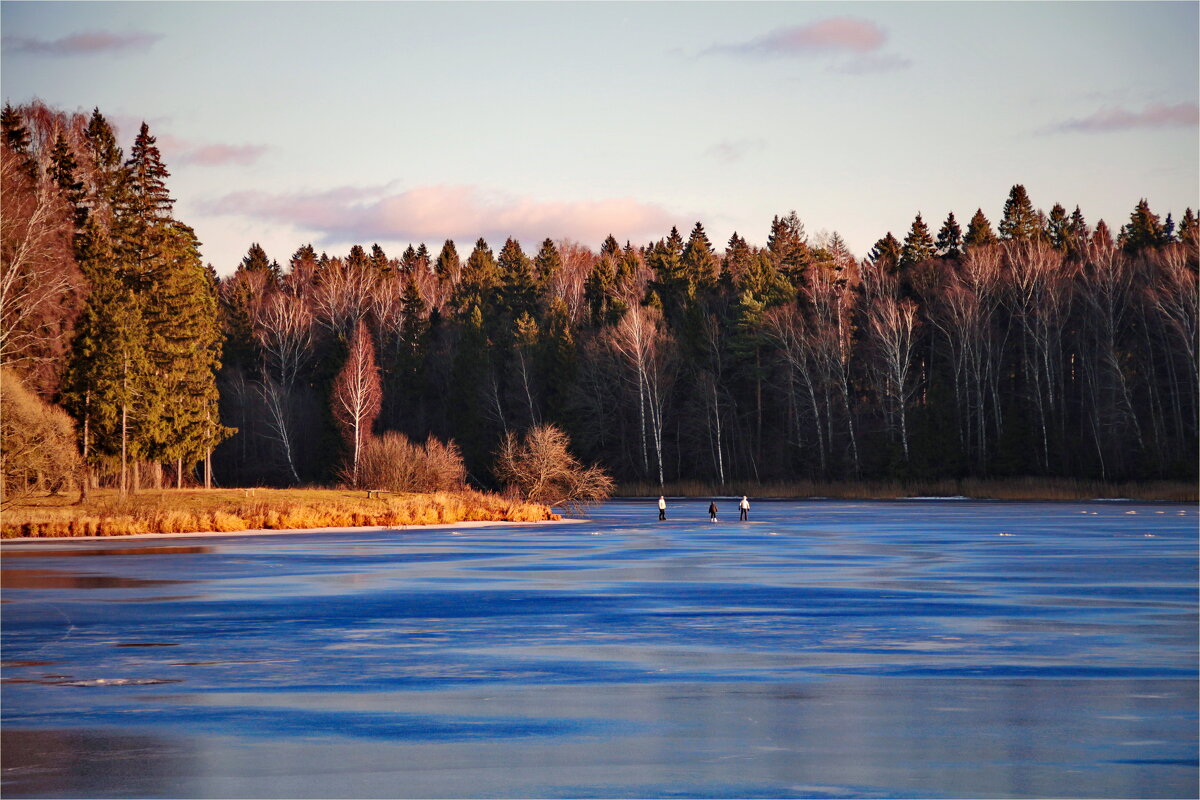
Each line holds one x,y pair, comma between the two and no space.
543,470
37,440
392,462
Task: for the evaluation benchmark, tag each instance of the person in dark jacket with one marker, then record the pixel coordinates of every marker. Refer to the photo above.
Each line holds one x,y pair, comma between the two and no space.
712,511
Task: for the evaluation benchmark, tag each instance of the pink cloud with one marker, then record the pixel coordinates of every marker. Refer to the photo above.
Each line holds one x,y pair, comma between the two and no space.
1118,119
433,213
833,35
83,44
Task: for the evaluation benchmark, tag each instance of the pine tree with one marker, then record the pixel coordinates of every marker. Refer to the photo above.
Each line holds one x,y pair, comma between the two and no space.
609,247
918,245
357,260
979,231
557,362
1020,221
949,238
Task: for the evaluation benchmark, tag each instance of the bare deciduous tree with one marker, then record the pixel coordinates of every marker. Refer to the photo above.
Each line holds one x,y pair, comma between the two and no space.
357,395
541,467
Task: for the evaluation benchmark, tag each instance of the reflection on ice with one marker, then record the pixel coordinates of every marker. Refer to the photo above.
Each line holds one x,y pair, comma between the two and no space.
825,649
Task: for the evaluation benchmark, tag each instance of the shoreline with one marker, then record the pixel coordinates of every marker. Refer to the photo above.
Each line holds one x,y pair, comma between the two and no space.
284,531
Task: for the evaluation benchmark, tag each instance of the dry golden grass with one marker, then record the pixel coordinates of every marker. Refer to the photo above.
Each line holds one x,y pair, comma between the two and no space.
980,489
199,510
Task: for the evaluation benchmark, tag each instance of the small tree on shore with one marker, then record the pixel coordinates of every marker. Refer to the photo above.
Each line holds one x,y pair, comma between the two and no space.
541,467
357,396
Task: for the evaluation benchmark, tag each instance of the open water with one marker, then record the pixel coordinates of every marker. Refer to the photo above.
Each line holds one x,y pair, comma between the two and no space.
823,649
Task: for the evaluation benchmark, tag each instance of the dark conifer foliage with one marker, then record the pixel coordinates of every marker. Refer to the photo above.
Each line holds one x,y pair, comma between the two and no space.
1052,349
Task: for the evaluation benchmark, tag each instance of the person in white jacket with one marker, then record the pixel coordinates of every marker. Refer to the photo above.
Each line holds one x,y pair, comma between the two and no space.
662,507
745,508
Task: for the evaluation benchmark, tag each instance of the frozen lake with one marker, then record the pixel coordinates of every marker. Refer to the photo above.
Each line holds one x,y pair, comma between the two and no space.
824,649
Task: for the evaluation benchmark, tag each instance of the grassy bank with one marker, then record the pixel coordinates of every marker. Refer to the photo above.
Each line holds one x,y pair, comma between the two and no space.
198,510
995,489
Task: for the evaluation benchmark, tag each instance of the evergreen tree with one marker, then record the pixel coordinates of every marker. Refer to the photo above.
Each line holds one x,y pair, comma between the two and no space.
1144,230
1020,221
699,263
886,252
519,283
110,374
256,260
949,238
546,264
918,245
1187,226
1168,230
557,362
422,261
62,173
610,247
447,267
357,260
1058,228
379,260
17,139
108,176
979,231
787,244
480,277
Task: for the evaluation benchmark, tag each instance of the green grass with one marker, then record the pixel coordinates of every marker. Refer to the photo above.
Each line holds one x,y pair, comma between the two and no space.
980,489
200,510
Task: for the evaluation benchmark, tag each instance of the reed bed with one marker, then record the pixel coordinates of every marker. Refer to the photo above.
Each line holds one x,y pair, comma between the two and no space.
978,489
227,510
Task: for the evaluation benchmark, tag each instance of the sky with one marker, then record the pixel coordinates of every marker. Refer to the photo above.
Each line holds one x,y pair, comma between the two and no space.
286,123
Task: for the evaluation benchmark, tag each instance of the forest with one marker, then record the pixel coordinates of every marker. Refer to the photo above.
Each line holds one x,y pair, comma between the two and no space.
1044,345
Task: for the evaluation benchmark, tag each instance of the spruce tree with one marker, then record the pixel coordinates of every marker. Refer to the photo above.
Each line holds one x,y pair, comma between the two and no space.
17,139
886,252
1144,230
918,245
979,231
1188,226
62,173
480,277
701,269
256,260
379,260
949,238
448,267
1057,228
1020,221
519,287
787,244
546,264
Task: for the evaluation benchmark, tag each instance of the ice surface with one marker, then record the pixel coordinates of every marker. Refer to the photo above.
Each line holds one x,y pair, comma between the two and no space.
823,649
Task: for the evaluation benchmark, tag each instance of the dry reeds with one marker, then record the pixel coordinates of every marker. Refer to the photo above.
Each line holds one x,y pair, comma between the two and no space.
192,511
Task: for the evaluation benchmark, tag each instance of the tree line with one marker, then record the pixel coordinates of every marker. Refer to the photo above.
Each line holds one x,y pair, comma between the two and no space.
1044,346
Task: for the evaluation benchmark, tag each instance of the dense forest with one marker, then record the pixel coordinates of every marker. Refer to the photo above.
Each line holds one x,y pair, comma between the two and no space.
1042,346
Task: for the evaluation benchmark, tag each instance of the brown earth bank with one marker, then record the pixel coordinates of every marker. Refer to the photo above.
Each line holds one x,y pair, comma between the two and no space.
229,510
976,489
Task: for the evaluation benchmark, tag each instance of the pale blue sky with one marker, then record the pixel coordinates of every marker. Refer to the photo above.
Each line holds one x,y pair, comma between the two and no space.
386,122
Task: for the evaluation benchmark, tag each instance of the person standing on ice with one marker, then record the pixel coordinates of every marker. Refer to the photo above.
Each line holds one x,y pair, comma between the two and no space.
744,506
662,507
712,511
